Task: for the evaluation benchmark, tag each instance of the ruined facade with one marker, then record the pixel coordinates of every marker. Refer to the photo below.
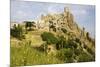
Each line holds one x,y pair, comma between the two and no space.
59,21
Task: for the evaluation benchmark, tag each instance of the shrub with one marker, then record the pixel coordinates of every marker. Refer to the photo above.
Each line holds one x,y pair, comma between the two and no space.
49,37
78,40
65,55
77,51
17,31
29,25
64,30
89,38
90,51
43,47
83,57
71,44
61,42
61,54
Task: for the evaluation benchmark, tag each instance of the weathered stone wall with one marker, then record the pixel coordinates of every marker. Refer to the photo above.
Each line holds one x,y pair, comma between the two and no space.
61,20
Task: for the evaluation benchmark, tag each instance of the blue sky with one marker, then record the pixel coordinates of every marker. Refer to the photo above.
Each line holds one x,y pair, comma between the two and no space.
84,15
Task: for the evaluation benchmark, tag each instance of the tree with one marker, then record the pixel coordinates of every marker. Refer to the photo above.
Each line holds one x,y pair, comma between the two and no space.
29,25
71,44
87,35
49,38
17,31
51,26
61,42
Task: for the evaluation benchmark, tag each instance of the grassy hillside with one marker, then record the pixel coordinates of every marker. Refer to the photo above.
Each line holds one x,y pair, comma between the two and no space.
22,56
28,52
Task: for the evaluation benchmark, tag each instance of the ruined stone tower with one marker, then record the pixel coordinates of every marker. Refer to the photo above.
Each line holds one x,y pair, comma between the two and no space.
59,21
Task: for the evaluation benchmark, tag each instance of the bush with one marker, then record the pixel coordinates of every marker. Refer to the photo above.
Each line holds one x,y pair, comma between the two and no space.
71,44
64,30
29,25
61,54
90,51
83,57
17,31
78,40
65,55
43,47
49,37
61,42
77,51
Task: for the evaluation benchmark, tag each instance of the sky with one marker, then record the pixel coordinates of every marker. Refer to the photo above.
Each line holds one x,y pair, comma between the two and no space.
84,15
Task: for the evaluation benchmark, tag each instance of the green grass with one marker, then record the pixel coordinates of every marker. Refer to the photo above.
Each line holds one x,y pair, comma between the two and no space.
34,37
26,56
23,53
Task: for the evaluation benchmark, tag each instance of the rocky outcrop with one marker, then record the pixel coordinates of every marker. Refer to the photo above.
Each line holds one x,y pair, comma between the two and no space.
64,20
59,21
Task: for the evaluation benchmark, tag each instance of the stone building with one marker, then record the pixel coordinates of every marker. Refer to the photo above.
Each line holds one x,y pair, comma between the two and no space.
58,21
